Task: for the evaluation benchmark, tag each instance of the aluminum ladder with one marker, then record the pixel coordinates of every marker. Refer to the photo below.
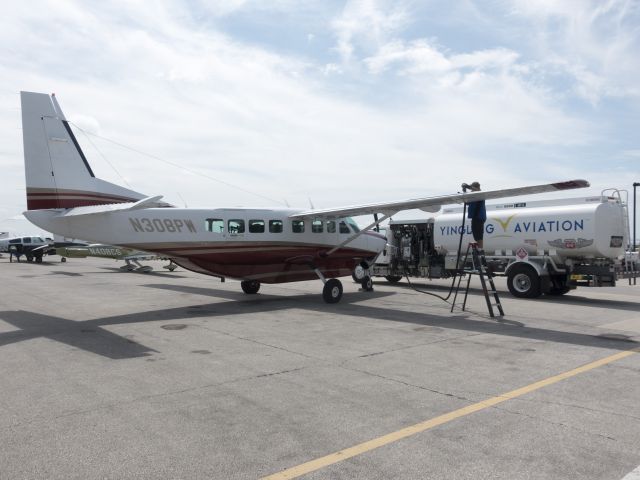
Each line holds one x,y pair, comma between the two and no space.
479,267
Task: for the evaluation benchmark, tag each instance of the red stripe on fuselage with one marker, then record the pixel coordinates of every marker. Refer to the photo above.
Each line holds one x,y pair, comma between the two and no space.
41,198
43,204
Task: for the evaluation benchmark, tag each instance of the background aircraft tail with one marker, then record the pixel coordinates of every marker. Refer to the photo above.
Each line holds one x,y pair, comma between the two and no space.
57,172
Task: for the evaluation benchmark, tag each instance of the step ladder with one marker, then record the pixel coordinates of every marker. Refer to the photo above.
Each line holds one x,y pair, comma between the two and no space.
478,267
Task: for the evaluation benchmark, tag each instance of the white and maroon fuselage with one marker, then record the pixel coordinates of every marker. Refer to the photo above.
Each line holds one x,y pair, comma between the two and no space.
247,244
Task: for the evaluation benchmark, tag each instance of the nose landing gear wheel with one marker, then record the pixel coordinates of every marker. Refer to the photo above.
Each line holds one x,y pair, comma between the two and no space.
250,286
332,291
367,284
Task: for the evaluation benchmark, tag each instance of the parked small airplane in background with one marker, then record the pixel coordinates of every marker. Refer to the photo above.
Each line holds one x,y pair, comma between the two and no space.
131,257
253,245
32,247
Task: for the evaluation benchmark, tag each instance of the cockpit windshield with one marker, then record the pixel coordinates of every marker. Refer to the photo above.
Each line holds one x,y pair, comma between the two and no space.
352,223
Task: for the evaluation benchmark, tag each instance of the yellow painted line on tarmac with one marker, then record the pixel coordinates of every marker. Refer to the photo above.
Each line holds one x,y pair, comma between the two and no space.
361,448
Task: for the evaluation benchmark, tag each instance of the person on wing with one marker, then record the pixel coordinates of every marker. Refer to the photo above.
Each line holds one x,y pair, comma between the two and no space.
477,212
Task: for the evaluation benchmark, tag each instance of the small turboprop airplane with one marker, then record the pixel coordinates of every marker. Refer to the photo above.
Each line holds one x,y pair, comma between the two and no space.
131,257
267,245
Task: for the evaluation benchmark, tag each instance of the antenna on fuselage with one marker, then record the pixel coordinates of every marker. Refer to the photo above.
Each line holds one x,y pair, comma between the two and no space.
311,204
183,200
287,203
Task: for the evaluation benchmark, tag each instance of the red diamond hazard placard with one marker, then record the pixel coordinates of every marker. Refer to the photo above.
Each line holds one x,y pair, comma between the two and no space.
522,253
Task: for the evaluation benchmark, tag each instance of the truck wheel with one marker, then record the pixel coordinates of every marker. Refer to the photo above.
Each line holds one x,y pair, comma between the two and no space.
393,278
557,291
524,282
332,291
559,285
250,286
29,258
39,259
63,259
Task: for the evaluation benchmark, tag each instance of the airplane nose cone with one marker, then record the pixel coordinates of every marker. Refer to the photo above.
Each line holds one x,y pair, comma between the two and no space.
376,241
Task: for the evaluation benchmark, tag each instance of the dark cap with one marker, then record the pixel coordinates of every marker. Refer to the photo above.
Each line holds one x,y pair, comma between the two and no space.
475,186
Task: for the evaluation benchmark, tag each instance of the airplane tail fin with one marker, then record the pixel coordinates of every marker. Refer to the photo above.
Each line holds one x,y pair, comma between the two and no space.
57,173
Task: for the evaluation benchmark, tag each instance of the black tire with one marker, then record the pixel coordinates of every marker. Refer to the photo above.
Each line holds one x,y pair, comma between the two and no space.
39,259
63,259
250,287
557,291
393,278
367,283
358,273
29,258
524,282
332,291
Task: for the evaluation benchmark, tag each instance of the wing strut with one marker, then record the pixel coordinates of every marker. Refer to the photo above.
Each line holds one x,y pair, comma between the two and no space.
356,235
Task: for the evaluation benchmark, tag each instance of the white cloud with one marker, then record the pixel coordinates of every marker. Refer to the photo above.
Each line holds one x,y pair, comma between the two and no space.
595,42
416,57
278,125
419,56
367,22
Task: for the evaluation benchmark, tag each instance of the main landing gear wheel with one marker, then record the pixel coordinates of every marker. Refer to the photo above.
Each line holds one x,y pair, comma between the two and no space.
332,291
358,274
250,286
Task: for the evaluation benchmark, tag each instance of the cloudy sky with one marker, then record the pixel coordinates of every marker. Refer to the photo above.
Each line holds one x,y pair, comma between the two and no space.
337,102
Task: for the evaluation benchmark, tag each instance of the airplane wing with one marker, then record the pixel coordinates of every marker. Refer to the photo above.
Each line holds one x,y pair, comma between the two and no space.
433,204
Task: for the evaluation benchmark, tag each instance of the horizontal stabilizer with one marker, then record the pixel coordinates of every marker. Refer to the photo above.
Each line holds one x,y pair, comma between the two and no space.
149,202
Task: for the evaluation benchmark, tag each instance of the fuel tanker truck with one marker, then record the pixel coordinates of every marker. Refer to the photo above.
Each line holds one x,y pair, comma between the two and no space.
542,247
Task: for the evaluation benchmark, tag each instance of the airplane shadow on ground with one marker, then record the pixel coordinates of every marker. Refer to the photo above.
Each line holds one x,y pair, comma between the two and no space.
89,335
163,273
461,322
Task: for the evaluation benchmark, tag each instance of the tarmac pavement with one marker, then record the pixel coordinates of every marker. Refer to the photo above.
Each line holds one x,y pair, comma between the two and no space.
106,374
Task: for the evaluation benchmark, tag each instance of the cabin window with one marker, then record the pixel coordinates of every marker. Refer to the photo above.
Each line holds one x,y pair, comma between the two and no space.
26,240
297,226
316,226
331,226
215,225
275,226
344,228
15,240
256,226
235,226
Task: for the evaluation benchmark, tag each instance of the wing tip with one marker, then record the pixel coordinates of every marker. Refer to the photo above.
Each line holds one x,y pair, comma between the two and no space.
571,184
